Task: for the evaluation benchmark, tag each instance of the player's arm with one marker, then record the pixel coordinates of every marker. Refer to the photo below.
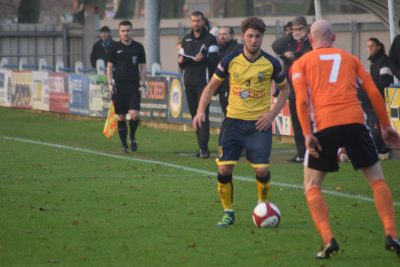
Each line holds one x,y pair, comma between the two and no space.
282,98
376,99
389,134
303,110
109,73
142,88
267,118
205,99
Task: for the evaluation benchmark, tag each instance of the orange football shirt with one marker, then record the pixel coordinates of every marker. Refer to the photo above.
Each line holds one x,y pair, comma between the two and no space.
325,82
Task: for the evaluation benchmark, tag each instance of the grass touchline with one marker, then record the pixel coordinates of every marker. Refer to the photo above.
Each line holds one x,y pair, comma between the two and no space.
209,173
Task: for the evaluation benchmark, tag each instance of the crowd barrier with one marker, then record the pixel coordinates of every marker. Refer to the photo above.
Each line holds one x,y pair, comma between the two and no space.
164,101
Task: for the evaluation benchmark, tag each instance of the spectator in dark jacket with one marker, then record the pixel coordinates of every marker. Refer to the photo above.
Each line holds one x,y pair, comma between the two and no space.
394,56
289,48
227,44
100,48
198,57
383,77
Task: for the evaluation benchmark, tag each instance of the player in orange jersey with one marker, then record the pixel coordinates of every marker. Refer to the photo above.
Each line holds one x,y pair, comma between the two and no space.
331,117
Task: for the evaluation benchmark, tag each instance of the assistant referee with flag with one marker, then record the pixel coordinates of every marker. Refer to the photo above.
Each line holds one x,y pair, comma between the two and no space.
127,62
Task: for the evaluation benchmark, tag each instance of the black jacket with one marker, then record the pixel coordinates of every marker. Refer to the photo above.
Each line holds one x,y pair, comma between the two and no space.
288,43
382,76
100,50
394,57
380,71
198,73
224,50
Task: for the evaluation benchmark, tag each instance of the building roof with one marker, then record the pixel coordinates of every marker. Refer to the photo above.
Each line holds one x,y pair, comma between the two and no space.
379,8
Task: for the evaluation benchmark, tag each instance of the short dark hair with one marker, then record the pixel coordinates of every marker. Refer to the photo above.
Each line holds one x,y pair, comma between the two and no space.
198,14
253,23
288,25
230,29
300,20
125,23
105,29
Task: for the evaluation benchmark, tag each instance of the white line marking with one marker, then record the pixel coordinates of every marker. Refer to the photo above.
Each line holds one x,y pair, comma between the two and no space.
171,165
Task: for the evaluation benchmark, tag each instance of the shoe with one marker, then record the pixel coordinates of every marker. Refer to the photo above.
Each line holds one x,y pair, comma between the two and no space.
134,145
392,244
383,156
296,159
227,219
203,154
125,150
331,249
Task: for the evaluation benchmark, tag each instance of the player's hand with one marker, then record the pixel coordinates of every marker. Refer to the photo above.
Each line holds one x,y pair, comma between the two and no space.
181,59
112,89
312,145
264,121
199,57
198,120
391,137
142,90
289,55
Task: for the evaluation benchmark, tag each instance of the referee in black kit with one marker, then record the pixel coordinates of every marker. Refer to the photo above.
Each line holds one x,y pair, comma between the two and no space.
126,75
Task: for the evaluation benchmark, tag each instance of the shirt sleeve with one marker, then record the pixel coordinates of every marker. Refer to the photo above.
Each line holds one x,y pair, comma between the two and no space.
302,102
367,84
278,74
111,54
142,55
222,69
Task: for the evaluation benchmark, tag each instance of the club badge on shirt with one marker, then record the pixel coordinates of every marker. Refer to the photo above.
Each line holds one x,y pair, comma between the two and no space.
134,60
244,94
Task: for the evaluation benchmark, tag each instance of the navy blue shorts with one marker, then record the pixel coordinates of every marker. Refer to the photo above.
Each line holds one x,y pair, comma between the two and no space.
355,138
237,135
127,97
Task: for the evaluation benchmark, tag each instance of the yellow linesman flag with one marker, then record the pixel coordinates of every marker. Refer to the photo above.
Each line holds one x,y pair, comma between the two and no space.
111,125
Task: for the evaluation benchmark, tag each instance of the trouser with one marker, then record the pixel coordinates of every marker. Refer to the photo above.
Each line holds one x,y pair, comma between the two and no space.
223,101
193,94
298,134
374,127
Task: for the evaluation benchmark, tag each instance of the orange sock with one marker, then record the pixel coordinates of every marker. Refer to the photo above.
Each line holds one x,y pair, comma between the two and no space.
319,213
384,206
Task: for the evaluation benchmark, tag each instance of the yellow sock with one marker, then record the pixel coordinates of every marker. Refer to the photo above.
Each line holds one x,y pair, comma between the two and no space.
262,191
225,192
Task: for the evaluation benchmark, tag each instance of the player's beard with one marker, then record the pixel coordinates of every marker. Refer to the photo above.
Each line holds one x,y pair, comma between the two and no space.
252,51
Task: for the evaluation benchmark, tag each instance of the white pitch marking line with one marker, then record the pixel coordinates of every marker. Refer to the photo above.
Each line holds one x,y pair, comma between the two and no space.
189,169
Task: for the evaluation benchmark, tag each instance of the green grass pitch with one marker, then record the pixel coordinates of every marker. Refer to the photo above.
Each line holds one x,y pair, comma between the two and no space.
68,197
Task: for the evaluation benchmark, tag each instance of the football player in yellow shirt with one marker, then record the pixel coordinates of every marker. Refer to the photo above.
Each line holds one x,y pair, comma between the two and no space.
249,113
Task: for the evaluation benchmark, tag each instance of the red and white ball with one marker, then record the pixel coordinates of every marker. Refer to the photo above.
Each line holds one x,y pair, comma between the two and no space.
342,155
266,214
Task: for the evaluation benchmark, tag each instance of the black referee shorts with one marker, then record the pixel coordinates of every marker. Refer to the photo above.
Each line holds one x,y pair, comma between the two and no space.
127,97
355,138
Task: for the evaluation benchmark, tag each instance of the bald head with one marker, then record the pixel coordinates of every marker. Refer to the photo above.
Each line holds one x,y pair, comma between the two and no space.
322,34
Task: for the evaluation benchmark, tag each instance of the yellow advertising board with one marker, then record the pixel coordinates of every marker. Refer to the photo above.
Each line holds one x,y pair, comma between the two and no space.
392,99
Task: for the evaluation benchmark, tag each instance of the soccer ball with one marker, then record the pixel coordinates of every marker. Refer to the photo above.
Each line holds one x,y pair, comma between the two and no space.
342,155
266,214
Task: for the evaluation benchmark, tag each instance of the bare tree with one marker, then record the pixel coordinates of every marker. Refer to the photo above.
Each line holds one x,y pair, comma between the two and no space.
235,8
29,11
126,9
8,9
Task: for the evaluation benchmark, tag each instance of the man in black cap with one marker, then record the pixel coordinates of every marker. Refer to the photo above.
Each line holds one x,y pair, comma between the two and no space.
100,48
